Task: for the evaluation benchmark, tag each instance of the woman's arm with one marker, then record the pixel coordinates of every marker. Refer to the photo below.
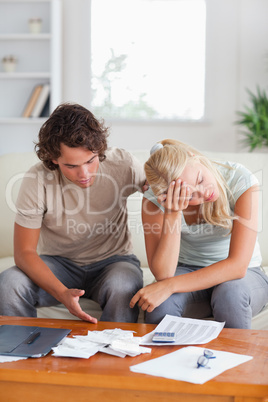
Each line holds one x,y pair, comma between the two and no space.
242,244
162,244
27,259
162,231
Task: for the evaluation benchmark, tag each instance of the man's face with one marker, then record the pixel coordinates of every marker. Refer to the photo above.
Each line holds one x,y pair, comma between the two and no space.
79,165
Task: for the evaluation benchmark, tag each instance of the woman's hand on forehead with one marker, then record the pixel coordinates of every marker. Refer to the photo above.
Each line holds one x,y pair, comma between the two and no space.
177,197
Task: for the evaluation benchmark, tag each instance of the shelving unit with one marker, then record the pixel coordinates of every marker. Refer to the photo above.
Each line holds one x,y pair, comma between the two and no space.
39,61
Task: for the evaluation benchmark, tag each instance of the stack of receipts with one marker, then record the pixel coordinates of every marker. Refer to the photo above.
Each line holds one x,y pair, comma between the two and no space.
115,342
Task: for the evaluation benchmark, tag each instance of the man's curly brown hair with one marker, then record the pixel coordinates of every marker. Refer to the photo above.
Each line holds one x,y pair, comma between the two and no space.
74,126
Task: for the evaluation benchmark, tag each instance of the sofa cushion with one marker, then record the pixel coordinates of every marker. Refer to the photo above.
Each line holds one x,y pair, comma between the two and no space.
12,169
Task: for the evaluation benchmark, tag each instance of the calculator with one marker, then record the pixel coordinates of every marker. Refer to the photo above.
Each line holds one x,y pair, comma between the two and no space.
167,337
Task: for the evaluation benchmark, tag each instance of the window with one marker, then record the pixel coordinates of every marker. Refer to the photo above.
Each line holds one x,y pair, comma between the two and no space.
148,59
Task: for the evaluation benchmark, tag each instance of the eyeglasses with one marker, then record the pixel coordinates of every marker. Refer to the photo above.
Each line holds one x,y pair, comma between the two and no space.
202,361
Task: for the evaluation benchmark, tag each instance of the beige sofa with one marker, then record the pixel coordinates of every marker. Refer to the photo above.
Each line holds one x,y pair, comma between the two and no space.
12,168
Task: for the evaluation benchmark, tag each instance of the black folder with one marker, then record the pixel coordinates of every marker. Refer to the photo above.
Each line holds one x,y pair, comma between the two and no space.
24,341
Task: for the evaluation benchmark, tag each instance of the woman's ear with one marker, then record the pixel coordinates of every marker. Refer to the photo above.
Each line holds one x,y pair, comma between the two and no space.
55,161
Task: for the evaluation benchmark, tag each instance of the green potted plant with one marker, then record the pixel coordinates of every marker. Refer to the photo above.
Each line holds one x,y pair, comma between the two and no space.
255,120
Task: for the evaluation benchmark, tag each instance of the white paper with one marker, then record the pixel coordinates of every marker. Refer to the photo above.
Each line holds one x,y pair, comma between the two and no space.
7,359
182,365
106,336
72,347
188,331
109,351
116,342
128,347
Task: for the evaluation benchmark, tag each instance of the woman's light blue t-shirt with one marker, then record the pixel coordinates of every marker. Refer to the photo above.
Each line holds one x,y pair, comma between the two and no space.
204,244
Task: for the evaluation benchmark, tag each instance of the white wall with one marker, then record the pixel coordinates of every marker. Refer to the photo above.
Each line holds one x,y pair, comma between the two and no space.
236,46
253,48
237,57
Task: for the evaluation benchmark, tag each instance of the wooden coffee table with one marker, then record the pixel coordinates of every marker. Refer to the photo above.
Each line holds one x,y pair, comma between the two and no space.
108,378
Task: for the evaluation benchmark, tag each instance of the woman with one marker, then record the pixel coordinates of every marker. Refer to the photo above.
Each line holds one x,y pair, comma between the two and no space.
200,224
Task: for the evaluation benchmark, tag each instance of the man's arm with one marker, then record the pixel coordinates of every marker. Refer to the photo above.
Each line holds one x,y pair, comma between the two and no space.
27,259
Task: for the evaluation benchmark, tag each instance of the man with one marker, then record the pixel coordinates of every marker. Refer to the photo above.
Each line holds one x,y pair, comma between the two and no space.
71,237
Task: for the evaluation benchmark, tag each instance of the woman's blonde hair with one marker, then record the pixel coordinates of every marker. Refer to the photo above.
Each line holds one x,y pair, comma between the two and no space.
167,164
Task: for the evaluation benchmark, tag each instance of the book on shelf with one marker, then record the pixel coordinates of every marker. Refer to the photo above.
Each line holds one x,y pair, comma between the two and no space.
41,101
32,100
46,109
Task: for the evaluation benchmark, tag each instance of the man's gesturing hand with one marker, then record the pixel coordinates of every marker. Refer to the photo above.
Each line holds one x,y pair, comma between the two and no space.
71,301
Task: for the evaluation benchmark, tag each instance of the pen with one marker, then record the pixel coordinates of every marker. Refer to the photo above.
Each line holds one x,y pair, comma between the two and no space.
33,337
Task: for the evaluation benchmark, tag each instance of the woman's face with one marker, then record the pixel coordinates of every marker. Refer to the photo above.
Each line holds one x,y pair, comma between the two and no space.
202,183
